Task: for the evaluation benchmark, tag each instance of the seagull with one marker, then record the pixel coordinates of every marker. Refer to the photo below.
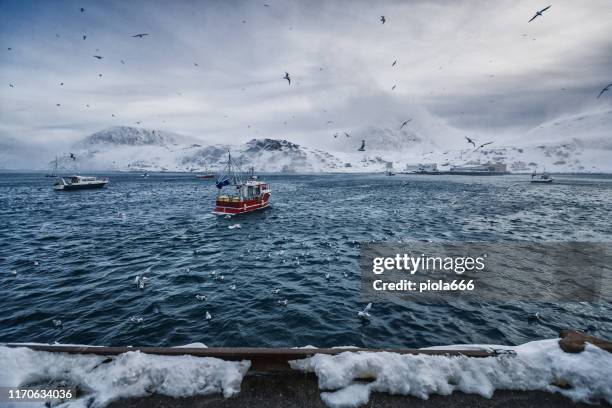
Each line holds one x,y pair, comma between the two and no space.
234,226
122,61
140,281
208,316
57,104
405,123
72,156
394,63
275,291
482,145
534,318
393,87
538,13
11,86
98,57
84,37
57,322
136,319
232,287
335,135
140,35
607,88
346,134
35,263
100,75
327,276
9,48
283,302
82,10
196,64
201,297
14,272
61,84
383,19
362,148
365,313
471,141
287,77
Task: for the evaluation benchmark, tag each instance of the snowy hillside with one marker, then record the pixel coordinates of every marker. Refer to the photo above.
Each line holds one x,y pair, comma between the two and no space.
130,136
578,143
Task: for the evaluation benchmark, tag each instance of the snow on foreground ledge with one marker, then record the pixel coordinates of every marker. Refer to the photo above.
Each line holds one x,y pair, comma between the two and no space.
132,374
539,365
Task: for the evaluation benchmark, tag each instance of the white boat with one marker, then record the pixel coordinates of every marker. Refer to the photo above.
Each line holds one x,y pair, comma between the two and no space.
79,183
544,178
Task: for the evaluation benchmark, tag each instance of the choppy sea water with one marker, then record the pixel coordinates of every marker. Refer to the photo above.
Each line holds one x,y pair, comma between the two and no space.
76,255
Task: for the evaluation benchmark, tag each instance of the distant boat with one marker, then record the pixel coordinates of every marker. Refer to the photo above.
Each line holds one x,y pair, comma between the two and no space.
389,173
244,195
544,178
145,174
206,175
79,183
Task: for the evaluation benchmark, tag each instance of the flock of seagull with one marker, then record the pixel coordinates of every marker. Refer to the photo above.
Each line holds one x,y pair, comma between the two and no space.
287,77
365,313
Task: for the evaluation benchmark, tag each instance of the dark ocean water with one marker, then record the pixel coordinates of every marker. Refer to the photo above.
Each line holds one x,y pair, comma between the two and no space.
90,245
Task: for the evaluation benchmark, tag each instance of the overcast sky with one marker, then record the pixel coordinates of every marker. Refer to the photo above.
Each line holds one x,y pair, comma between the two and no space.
475,66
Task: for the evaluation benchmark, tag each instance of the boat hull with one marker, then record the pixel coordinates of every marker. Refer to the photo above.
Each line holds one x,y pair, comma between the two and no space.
542,181
241,207
88,186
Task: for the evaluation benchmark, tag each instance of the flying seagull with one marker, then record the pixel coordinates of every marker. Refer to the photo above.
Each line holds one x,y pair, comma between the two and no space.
287,77
383,19
196,64
82,10
122,61
365,313
394,63
482,145
471,141
100,75
140,35
346,134
538,13
393,87
607,88
72,156
362,148
11,86
98,57
405,123
84,37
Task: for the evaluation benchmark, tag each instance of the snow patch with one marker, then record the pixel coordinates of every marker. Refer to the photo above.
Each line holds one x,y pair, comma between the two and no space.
540,365
132,374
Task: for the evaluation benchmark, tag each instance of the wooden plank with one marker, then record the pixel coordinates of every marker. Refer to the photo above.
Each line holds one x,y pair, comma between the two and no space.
265,359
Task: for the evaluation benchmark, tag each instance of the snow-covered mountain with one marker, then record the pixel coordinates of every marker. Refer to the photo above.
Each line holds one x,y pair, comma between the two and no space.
577,143
131,136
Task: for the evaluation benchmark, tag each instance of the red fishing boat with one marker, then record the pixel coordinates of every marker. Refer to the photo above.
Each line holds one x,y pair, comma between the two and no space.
237,194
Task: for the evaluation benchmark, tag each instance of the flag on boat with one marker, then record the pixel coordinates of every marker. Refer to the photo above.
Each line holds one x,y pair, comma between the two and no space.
223,181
